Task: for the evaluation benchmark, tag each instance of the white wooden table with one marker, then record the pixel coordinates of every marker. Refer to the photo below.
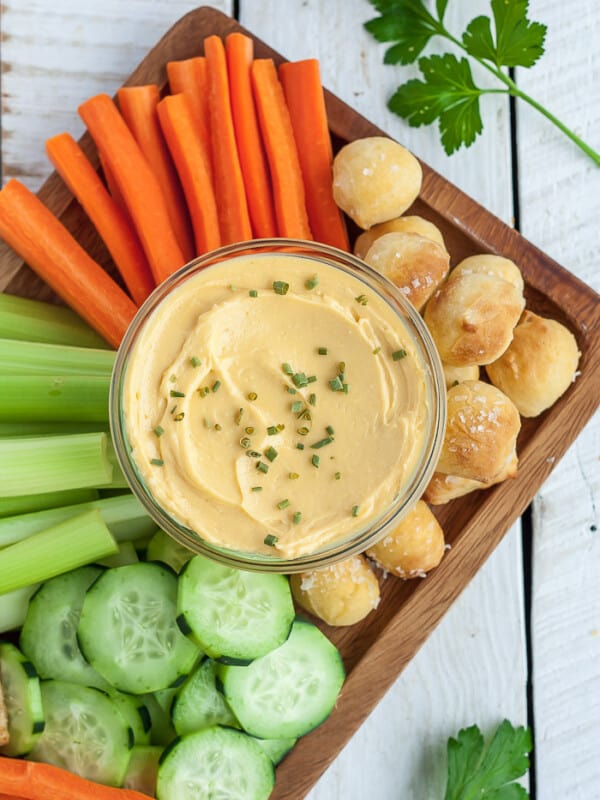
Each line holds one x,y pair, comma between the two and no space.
523,640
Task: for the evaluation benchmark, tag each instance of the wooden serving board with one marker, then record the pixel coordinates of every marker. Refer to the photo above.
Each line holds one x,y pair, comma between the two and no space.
376,650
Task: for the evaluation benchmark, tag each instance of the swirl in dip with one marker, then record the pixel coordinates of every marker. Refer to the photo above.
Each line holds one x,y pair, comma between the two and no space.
275,404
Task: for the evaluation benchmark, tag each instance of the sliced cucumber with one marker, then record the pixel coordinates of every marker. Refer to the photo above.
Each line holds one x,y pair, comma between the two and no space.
135,713
276,749
216,762
232,613
143,769
162,731
127,629
85,733
199,704
291,690
49,634
164,548
23,700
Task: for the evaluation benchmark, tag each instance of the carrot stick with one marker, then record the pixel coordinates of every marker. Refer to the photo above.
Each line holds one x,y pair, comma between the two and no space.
38,781
112,186
229,183
137,183
107,217
183,139
190,77
240,53
138,107
46,245
303,91
278,137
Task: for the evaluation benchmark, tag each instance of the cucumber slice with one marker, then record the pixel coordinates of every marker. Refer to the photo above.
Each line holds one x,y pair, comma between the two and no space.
49,635
85,733
276,749
199,703
216,762
162,731
142,769
23,700
163,547
290,691
127,629
232,613
135,713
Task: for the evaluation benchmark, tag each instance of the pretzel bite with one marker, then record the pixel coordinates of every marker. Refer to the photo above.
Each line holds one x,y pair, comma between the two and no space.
442,488
486,264
375,179
481,433
539,365
340,594
414,547
454,375
413,224
414,264
472,318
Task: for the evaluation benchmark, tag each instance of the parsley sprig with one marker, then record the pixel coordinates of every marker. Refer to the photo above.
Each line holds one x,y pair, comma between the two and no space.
448,92
488,772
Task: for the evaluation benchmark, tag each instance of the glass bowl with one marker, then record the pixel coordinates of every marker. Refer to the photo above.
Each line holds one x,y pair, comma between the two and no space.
323,259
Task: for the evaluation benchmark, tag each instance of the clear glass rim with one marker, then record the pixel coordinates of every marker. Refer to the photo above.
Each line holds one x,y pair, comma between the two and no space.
357,542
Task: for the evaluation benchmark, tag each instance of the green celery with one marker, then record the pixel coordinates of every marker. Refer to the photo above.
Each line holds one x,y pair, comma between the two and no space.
77,541
36,464
49,428
126,554
35,358
35,321
28,503
41,398
13,607
124,516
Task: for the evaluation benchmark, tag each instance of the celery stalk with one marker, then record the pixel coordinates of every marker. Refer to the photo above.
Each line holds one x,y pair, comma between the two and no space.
13,607
36,464
39,398
70,544
49,428
34,321
28,503
127,555
35,358
124,515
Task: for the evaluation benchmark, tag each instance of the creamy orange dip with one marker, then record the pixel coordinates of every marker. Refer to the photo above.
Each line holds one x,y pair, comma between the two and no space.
275,404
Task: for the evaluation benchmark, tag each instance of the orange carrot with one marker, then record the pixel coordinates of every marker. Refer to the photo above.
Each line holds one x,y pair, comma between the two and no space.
46,245
38,781
176,120
229,183
190,77
278,137
137,183
240,52
112,186
107,217
138,107
303,91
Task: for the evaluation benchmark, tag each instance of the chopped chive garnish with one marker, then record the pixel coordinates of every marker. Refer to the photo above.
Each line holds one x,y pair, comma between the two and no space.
322,351
399,354
362,299
271,453
195,361
355,510
315,460
272,430
238,416
207,422
312,399
245,442
300,379
304,414
253,293
179,417
254,454
204,391
330,430
270,540
454,383
293,476
252,396
280,287
303,431
249,430
283,504
158,431
297,406
256,489
280,428
376,351
311,283
262,467
299,446
346,388
336,384
322,443
338,476
232,287
215,386
311,379
172,378
174,409
342,366
287,369
174,393
291,390
297,518
158,462
218,427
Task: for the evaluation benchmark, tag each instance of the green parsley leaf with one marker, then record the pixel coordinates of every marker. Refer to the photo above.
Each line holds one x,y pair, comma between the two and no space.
407,23
487,773
440,6
518,43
